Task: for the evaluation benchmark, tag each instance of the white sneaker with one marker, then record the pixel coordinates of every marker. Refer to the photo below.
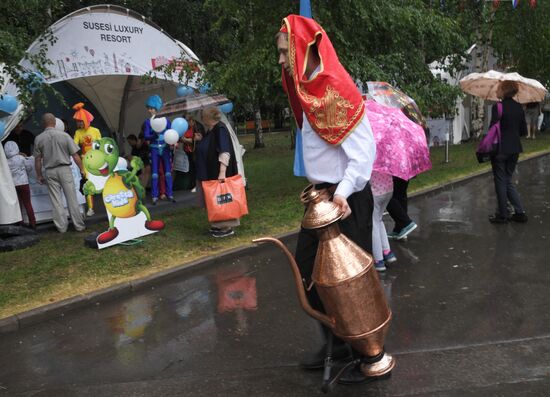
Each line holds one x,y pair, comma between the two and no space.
194,190
90,212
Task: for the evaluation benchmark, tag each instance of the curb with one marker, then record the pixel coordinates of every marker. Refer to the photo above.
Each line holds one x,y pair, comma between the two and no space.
59,309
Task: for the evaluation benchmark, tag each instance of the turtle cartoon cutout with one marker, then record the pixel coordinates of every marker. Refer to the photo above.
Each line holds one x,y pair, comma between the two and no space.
123,194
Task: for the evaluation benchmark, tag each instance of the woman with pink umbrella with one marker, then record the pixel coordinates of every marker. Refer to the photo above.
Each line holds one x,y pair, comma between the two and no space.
402,152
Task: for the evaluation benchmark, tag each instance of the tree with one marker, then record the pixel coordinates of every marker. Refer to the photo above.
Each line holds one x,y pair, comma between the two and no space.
245,66
21,22
521,39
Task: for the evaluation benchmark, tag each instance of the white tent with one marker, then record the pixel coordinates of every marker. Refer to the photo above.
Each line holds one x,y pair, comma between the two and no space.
103,51
9,205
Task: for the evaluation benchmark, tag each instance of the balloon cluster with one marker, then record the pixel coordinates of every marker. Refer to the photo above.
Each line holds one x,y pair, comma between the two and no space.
8,105
172,135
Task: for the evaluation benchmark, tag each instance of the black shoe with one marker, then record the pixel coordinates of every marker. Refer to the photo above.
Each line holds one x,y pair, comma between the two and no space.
520,218
317,360
222,233
497,219
354,376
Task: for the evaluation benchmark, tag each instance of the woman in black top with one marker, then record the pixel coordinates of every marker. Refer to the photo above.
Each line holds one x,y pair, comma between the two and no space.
512,126
215,159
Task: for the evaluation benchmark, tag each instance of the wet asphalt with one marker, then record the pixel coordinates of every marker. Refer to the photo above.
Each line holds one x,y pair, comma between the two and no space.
470,302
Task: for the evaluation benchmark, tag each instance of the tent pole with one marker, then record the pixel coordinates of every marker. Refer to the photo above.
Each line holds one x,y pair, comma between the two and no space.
122,114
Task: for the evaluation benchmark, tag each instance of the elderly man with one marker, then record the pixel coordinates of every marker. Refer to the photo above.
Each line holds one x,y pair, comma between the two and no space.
54,148
339,152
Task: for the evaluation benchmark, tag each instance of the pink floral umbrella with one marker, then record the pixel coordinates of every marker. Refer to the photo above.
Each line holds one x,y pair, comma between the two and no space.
401,147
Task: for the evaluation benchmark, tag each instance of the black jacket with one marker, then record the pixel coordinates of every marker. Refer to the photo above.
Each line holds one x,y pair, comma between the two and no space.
512,126
215,148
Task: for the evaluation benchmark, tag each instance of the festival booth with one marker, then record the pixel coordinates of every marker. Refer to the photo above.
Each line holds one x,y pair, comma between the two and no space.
103,52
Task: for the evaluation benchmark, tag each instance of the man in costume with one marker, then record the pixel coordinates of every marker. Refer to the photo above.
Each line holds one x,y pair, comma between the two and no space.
84,137
338,149
159,150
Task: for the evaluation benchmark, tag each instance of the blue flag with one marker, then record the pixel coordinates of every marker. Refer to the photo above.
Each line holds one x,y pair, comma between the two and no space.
299,168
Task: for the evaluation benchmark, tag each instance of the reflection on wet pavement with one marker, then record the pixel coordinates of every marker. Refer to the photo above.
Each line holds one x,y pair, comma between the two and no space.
469,301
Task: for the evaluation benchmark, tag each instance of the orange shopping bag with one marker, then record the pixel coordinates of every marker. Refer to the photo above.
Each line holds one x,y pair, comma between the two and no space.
225,200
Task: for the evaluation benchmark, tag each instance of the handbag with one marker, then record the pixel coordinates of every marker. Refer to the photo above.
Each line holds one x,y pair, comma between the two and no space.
225,200
489,144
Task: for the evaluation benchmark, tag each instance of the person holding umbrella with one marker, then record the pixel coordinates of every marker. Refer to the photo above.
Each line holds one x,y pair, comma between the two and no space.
512,126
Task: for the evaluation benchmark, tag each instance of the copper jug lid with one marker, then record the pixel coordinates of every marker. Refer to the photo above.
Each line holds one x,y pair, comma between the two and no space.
321,211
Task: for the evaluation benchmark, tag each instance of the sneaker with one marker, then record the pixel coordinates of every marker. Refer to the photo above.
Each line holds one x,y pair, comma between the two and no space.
155,199
172,199
392,235
194,190
380,265
520,218
406,231
223,233
390,257
90,212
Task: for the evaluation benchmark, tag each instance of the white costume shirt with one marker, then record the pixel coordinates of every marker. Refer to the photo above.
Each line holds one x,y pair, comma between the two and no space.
349,164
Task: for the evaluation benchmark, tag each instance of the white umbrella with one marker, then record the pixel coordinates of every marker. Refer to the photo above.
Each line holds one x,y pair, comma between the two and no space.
485,85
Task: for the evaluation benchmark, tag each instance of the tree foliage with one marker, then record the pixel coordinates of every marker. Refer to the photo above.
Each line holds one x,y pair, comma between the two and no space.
389,40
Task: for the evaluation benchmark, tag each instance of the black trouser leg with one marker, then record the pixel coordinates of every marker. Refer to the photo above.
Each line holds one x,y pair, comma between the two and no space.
511,191
357,227
500,178
398,205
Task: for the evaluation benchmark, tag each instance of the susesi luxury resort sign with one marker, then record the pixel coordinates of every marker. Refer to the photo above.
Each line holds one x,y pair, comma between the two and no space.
106,43
116,33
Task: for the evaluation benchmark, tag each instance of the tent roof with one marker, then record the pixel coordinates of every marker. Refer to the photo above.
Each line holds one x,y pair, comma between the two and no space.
101,50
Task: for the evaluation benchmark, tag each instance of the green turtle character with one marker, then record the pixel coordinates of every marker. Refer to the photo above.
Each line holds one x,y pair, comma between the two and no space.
123,194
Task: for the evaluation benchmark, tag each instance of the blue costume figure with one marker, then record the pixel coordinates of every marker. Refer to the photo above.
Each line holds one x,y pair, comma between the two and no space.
158,149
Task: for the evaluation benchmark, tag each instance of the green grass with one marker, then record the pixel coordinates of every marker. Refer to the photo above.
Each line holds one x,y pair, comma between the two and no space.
60,266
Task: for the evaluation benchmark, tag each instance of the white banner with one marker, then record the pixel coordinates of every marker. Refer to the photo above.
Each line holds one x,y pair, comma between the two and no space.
107,43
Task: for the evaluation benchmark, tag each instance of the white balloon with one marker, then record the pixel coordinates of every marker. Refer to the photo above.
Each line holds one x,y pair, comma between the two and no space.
171,137
159,124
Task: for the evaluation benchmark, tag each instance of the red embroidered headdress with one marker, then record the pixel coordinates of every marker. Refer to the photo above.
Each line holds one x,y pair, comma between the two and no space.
331,101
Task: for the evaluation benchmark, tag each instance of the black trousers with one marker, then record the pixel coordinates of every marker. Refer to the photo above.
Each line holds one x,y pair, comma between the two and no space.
398,205
503,169
357,227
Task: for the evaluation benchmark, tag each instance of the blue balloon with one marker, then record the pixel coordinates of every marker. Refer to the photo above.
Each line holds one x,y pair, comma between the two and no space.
180,125
184,90
8,103
205,88
2,129
226,107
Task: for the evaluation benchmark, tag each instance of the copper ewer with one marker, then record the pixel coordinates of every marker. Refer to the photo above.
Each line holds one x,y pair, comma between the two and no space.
347,282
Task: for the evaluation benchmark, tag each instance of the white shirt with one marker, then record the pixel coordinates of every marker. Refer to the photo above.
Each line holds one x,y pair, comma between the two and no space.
349,164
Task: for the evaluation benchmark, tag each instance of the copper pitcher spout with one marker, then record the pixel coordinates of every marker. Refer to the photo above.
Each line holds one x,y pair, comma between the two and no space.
329,322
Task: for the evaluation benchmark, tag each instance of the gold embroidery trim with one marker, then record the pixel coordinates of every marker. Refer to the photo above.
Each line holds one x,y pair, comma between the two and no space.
330,110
